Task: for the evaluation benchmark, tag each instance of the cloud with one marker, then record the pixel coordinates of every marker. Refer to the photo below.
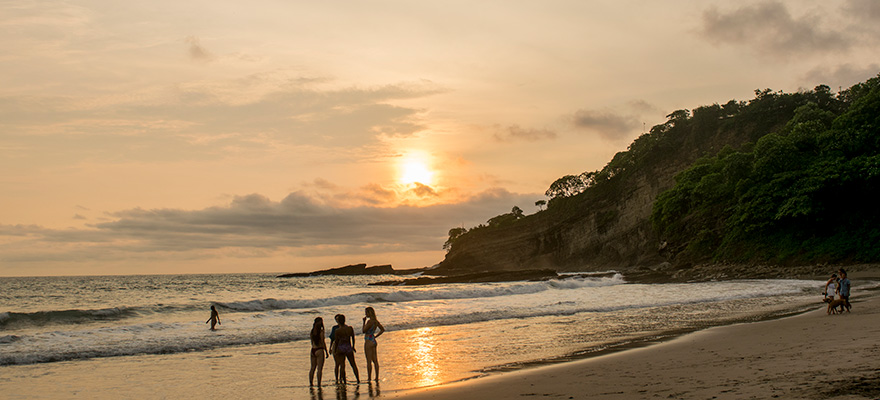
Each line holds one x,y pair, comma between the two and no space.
643,107
255,223
515,132
842,76
322,183
208,121
422,190
609,125
865,10
372,194
198,52
771,30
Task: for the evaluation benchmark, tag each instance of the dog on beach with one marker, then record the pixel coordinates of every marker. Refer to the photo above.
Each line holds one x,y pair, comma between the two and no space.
836,306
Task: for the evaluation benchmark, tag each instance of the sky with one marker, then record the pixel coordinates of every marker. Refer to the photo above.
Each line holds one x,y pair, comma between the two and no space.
285,136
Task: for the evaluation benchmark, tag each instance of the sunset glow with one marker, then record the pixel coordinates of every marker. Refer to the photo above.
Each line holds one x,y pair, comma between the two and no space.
131,126
414,169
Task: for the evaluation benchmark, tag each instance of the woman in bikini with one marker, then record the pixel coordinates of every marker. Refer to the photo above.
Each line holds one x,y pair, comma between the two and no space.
318,352
344,340
215,318
370,344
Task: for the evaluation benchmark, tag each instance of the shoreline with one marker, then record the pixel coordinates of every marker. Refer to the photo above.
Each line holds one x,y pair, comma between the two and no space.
425,360
808,355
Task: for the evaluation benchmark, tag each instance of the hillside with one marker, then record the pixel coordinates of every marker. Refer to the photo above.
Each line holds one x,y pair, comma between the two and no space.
603,219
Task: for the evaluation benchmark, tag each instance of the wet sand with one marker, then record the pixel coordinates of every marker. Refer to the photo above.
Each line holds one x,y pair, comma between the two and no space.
809,356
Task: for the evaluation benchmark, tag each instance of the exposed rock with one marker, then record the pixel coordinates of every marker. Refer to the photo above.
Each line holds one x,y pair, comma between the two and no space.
486,276
356,269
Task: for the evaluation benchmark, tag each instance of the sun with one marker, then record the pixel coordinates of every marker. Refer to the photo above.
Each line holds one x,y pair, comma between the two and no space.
414,169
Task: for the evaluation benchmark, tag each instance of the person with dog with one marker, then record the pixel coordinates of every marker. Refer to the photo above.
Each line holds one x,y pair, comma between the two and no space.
830,288
843,288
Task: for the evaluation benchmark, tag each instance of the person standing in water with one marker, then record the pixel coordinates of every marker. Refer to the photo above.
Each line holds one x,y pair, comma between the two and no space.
215,318
371,323
344,340
319,351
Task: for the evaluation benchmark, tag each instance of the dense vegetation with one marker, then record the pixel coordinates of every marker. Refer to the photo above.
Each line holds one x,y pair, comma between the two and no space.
782,178
806,193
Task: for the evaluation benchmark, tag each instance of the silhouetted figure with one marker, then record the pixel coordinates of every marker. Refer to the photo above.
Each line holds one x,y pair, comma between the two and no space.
318,352
215,318
371,324
336,358
843,288
344,340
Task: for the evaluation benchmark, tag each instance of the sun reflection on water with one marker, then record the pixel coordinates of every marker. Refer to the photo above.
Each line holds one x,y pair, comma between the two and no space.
424,366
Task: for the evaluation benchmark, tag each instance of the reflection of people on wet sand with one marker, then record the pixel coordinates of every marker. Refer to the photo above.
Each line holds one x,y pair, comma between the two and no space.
344,341
316,393
375,393
318,352
215,318
370,343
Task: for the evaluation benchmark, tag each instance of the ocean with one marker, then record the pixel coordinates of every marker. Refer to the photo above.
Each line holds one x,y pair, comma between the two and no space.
55,331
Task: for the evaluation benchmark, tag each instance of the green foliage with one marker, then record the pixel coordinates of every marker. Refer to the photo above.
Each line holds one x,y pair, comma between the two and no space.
540,204
501,220
807,193
782,178
454,234
517,212
570,185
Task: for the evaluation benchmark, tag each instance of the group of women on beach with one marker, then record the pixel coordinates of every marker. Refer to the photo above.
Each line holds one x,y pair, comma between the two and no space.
342,347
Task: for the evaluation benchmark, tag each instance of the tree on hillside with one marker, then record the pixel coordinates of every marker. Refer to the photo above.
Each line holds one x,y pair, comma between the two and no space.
454,234
570,185
517,212
501,220
540,204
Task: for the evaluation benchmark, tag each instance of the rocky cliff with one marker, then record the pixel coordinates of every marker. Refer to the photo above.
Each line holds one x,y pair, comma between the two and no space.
594,234
607,226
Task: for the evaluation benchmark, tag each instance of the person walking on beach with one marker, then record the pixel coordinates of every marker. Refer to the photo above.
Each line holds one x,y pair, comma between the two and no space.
843,288
371,323
318,352
830,288
215,318
344,341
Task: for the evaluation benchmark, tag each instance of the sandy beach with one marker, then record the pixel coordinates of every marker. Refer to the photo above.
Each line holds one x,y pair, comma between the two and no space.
809,356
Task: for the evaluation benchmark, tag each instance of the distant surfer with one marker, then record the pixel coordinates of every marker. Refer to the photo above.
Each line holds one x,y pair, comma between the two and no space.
215,318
